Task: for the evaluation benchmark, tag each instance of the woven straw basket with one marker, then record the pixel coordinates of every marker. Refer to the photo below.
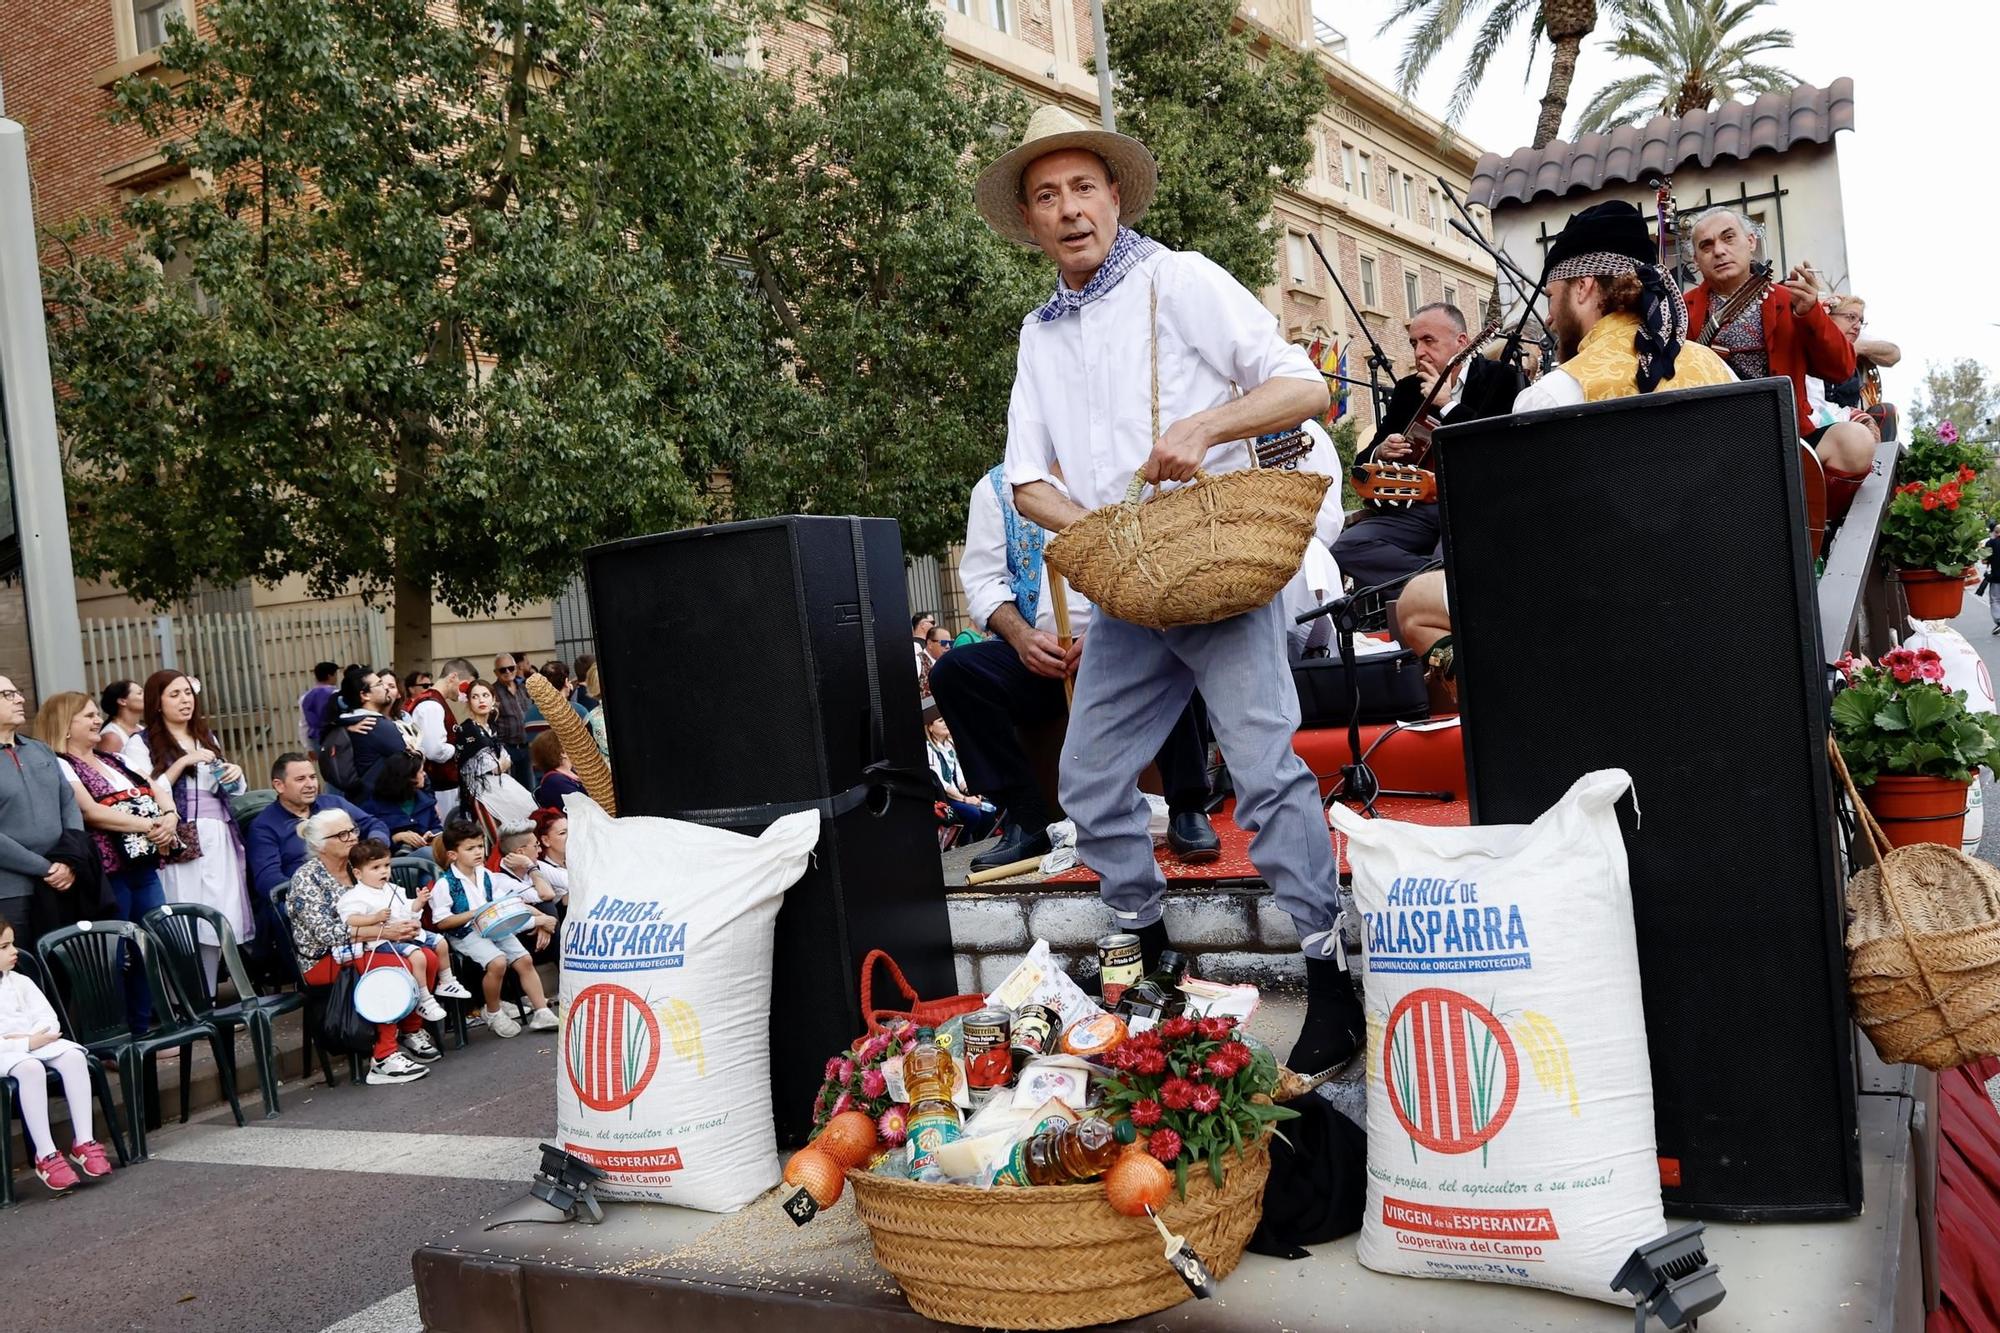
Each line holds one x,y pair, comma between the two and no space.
1203,552
1923,948
1199,553
591,770
1051,1256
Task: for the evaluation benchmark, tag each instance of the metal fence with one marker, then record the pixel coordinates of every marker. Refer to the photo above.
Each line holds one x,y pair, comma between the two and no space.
253,666
575,634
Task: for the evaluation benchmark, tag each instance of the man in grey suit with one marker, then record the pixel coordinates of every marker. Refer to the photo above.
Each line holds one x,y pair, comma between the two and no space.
35,807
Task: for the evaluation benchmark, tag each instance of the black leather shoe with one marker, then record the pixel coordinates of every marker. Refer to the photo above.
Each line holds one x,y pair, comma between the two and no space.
1334,1028
1016,844
1192,838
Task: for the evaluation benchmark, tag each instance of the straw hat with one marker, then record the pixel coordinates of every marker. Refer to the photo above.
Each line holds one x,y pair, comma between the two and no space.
997,193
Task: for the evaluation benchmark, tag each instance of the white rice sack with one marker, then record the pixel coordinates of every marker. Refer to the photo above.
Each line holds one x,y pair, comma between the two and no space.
663,1064
1510,1103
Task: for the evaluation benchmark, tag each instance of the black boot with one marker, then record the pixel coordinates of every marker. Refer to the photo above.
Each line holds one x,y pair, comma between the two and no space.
1192,838
1334,1028
1018,843
1152,943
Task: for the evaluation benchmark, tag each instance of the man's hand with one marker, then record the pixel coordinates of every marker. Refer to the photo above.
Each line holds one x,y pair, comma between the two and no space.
60,877
1041,653
1803,284
1073,657
1177,453
408,838
1391,449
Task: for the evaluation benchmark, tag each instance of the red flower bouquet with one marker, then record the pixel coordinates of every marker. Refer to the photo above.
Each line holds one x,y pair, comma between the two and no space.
1197,1090
855,1081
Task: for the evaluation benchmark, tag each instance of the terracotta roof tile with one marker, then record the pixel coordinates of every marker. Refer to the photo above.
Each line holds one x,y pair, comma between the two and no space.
1630,154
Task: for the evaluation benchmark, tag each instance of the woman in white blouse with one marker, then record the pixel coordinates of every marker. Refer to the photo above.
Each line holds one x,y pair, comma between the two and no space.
176,746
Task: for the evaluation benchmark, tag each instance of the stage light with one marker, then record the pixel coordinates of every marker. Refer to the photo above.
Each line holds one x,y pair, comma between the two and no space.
564,1190
1671,1278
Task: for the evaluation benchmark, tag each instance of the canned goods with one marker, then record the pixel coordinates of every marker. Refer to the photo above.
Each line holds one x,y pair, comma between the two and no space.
987,1031
1120,963
1035,1029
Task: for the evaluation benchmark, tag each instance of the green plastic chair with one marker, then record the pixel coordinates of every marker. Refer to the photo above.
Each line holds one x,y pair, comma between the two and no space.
26,965
176,927
85,960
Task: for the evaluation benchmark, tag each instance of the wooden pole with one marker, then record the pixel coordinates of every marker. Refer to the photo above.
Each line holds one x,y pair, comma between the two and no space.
1003,872
1058,594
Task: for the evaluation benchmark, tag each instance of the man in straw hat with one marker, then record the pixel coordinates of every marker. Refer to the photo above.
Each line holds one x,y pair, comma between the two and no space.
1083,405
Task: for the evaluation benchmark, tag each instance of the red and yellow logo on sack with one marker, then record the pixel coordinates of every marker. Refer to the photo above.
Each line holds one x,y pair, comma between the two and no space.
1450,1070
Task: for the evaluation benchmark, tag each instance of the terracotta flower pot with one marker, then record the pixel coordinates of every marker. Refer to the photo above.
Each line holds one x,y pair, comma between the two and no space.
1918,809
1931,595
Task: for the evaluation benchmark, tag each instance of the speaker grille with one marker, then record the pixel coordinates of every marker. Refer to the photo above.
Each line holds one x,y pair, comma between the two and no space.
1630,587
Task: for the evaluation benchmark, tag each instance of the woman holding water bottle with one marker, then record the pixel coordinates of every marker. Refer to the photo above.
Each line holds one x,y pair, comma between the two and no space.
205,866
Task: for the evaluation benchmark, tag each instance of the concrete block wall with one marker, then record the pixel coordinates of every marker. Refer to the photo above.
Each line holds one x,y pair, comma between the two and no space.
1230,934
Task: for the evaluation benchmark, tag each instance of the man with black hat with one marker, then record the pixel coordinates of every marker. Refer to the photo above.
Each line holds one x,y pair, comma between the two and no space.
1620,324
1085,401
1621,329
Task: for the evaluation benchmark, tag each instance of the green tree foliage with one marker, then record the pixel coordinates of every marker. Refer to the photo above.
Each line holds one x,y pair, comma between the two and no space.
450,311
1697,54
894,307
1962,393
1228,130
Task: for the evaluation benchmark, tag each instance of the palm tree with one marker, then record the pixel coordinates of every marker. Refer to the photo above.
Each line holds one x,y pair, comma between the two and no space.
1564,22
1696,55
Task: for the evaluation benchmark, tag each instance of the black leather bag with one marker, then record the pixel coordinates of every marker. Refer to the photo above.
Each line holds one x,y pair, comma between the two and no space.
341,1028
1392,689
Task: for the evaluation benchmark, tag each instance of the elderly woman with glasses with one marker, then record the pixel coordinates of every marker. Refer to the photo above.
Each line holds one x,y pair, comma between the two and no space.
325,942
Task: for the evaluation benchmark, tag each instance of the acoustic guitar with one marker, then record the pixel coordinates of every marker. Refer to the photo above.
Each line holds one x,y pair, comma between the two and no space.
1407,481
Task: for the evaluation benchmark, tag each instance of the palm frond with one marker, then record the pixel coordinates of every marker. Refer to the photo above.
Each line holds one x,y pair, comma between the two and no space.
1429,37
1613,104
1500,21
1692,48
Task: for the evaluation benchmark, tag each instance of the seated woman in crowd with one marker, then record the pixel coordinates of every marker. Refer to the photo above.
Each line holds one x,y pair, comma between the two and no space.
373,901
466,887
552,832
326,942
123,704
401,798
971,811
485,783
559,777
131,821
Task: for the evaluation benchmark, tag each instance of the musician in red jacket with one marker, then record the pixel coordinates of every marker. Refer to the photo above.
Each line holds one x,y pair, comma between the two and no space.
1787,333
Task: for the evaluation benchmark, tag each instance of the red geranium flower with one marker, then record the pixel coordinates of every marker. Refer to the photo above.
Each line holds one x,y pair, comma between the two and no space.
1206,1100
1239,1055
1164,1144
1146,1113
1967,475
1151,1062
1931,501
1176,1028
1212,1029
1176,1094
1220,1065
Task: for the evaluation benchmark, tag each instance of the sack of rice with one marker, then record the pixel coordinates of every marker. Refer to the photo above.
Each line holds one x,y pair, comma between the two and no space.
663,1064
1510,1102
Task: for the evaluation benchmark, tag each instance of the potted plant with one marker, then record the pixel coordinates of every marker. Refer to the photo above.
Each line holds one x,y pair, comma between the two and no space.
1911,744
1936,453
1933,537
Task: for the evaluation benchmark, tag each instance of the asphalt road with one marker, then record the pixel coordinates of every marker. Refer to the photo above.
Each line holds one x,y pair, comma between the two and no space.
292,1225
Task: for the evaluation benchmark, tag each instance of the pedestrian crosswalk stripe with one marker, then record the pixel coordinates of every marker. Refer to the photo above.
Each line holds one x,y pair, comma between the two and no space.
380,1152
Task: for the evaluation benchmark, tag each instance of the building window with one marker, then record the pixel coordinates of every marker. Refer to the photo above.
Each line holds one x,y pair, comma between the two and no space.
1409,197
149,22
1413,293
961,7
1367,187
1371,296
1349,175
1437,213
1298,257
1451,297
1485,311
1000,13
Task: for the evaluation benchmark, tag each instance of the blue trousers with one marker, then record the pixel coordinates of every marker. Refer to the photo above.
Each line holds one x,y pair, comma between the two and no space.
137,891
1132,685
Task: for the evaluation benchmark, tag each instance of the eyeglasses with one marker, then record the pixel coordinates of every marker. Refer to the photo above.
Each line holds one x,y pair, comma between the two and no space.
503,671
12,694
941,639
423,684
347,835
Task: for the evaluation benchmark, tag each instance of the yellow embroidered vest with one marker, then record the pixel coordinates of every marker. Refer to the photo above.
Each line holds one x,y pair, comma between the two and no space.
1606,365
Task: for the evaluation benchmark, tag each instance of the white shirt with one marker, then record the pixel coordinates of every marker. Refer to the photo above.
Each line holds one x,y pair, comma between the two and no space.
982,570
481,888
1556,388
361,900
24,1010
433,734
1082,393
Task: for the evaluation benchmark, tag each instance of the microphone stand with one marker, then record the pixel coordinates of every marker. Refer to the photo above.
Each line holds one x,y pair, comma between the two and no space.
1357,781
1378,360
1511,353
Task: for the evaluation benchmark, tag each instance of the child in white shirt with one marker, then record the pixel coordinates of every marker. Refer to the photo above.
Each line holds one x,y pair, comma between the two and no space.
521,872
465,888
374,901
31,1043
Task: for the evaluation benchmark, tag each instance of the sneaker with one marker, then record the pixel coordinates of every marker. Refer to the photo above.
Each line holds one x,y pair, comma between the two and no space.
91,1162
544,1020
56,1173
512,1010
396,1068
420,1046
432,1011
500,1025
451,988
475,1018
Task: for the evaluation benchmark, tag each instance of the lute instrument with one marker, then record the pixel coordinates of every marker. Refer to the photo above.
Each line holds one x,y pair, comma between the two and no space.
1407,482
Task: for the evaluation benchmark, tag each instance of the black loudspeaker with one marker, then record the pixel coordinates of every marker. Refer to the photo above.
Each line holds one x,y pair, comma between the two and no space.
753,669
1631,587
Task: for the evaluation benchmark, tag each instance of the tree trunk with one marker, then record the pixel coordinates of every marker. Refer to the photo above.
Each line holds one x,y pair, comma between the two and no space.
411,583
1562,70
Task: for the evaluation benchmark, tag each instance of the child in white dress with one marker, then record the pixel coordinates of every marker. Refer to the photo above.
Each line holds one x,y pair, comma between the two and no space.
31,1043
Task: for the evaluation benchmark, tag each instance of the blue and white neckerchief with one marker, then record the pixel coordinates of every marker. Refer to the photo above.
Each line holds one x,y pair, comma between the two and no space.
1024,548
1125,253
